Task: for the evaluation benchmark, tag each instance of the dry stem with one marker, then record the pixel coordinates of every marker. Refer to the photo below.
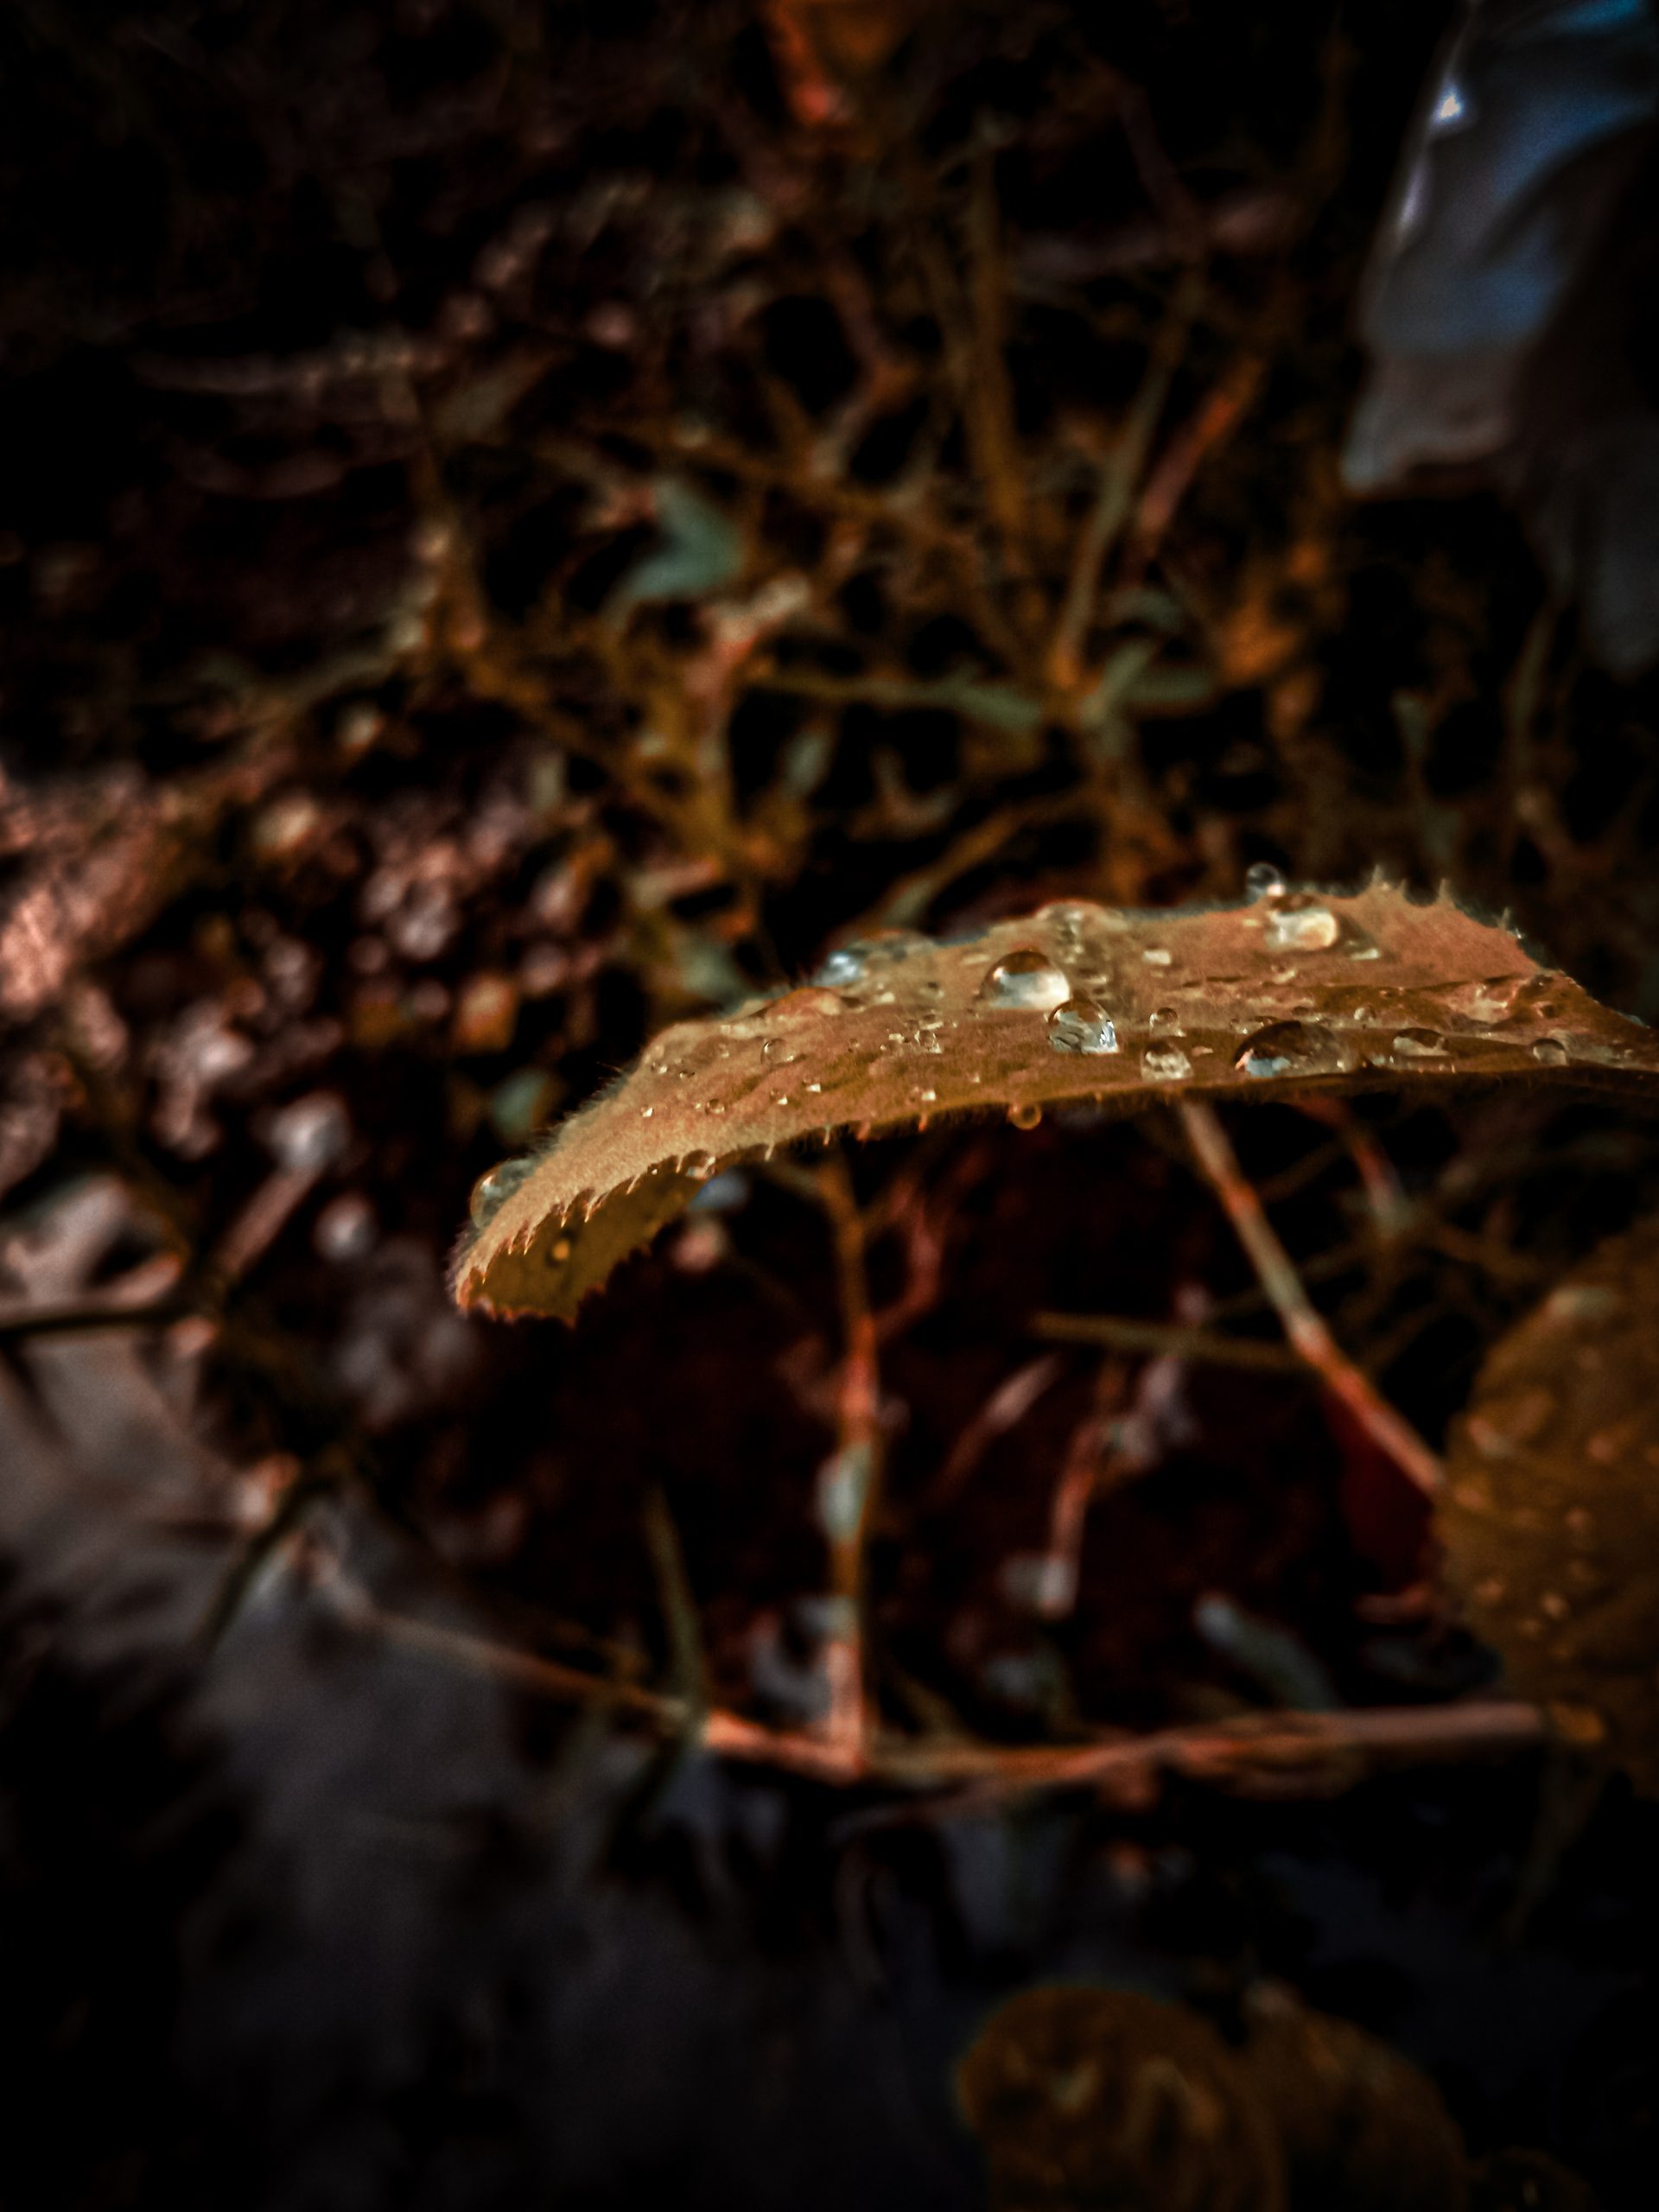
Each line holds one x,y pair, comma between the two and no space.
1210,1750
855,1469
1303,1324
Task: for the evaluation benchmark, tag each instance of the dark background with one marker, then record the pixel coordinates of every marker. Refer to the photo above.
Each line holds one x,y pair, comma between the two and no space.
370,799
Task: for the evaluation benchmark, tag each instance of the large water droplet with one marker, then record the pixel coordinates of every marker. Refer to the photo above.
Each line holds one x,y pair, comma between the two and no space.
841,968
1167,1018
1025,1116
1551,1052
699,1166
1355,942
1082,1025
1293,1048
1262,881
1420,1045
1540,995
1076,913
1164,1063
1300,924
812,1002
491,1190
1025,979
1487,1002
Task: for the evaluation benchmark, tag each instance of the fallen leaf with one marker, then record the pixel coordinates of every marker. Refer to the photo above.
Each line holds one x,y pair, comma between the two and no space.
1550,1516
1109,2096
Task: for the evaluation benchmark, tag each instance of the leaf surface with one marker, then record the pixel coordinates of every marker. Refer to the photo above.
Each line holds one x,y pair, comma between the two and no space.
1550,1516
1295,993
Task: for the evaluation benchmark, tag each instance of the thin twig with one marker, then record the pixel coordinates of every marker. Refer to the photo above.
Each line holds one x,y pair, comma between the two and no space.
1303,1326
687,1657
990,394
87,1317
1210,1750
1390,1209
1217,418
1206,1347
1007,1407
1120,471
1091,1462
848,1488
261,1222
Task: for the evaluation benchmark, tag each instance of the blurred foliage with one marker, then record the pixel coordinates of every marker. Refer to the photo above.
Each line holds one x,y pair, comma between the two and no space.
514,533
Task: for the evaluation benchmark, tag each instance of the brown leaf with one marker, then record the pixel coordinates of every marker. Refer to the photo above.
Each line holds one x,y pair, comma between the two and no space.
1298,992
1361,2126
1107,2096
1550,1516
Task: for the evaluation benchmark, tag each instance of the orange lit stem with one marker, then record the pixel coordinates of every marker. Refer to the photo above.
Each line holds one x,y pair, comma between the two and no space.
1303,1324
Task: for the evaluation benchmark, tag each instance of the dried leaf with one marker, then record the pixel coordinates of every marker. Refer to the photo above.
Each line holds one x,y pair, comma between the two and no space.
1297,992
1361,2126
1550,1518
1106,2096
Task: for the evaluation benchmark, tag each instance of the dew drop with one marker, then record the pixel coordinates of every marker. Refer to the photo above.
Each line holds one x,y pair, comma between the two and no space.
1262,881
1551,1052
1082,1025
1293,1048
812,1002
1164,1063
841,968
699,1166
1420,1045
1074,914
1025,979
1157,956
1537,994
1025,1116
1300,924
491,1191
1487,1002
1166,1017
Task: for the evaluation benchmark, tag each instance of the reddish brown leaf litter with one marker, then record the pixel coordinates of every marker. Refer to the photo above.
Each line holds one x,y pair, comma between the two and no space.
1108,2096
1083,2095
1550,1513
1361,2126
1294,993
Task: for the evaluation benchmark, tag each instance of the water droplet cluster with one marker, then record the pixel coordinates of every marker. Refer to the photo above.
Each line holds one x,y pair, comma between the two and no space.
1066,1007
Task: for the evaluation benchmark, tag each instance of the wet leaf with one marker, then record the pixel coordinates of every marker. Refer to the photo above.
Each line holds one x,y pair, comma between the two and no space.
1550,1518
1110,2097
1297,992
